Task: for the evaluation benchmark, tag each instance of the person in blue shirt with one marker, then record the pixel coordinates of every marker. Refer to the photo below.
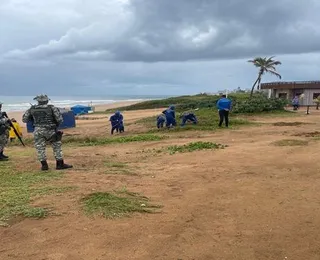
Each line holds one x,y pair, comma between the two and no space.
224,106
170,117
117,123
160,121
188,116
295,102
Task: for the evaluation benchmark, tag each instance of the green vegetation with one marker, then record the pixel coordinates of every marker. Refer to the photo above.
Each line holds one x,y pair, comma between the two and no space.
259,103
184,102
118,168
208,120
18,188
196,146
95,141
291,142
117,204
242,103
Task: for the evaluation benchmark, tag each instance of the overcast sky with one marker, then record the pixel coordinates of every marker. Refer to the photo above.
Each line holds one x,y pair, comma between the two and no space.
162,47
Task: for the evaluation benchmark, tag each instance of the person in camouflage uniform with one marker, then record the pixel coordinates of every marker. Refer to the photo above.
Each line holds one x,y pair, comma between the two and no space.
4,133
46,119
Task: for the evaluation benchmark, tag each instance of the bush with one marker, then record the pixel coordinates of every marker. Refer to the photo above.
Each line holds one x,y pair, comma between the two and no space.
259,103
183,103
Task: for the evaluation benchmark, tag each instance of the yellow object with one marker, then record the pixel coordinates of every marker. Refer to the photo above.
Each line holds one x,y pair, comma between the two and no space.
17,127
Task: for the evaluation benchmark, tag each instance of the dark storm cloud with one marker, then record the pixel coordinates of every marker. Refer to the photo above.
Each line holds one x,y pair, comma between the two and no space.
152,46
182,30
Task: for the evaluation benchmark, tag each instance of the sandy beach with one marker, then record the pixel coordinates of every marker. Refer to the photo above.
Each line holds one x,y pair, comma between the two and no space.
98,108
217,204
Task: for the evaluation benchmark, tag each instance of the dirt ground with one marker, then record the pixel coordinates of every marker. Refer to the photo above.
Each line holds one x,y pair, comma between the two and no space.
250,201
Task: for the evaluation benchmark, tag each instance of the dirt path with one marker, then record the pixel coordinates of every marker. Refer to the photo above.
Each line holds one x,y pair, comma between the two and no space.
252,200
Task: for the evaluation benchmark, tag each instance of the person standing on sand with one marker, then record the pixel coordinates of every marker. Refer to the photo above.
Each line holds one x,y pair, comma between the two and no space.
117,122
224,106
4,133
295,102
46,119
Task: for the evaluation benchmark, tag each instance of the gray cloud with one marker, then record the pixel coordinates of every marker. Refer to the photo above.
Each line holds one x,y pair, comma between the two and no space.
180,30
152,46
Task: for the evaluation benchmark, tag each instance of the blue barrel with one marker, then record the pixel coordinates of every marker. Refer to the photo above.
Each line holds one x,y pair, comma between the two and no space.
69,121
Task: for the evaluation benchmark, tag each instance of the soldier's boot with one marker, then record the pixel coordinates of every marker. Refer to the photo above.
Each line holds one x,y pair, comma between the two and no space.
44,166
2,156
61,165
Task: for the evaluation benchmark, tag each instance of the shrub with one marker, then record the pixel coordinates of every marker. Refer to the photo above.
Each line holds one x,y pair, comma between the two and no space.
183,103
259,103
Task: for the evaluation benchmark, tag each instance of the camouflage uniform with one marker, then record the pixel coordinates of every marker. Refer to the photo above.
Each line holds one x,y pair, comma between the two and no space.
46,119
4,134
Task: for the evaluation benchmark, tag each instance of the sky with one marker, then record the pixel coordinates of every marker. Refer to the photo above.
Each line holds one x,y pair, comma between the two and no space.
152,47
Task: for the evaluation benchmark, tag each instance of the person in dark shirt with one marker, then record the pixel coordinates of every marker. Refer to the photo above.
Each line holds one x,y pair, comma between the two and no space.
188,117
170,116
160,121
117,123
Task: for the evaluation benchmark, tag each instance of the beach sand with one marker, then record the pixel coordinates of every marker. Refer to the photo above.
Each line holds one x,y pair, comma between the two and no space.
252,200
98,108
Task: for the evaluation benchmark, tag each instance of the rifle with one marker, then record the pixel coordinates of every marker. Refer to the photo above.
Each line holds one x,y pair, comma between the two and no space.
14,129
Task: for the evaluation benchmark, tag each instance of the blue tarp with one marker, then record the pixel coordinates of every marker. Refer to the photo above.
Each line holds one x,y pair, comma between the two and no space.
80,109
69,121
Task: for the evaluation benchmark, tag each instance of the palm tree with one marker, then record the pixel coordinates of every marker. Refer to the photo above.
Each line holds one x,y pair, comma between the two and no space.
265,65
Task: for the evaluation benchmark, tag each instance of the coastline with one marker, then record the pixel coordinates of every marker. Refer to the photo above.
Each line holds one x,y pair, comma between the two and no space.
98,108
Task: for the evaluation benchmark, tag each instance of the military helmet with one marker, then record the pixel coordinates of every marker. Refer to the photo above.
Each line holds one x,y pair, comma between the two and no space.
41,98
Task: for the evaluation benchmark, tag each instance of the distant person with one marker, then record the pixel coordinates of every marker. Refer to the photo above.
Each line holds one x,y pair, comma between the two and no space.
170,115
224,106
117,122
188,116
12,134
296,102
160,121
46,119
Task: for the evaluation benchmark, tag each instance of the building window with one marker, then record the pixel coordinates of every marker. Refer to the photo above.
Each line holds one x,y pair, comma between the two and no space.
316,95
283,95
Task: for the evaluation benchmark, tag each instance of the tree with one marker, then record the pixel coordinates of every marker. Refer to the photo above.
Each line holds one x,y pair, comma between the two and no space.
265,65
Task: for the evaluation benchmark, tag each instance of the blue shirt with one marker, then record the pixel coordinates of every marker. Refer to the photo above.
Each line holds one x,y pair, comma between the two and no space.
116,120
169,113
224,104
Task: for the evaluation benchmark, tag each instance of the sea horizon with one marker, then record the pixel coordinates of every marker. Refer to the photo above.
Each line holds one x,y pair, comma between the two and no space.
21,103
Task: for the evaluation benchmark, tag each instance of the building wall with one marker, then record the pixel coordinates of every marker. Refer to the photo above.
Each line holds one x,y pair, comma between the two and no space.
309,93
305,101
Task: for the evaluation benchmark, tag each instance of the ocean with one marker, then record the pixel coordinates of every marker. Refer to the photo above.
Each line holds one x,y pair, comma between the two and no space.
22,103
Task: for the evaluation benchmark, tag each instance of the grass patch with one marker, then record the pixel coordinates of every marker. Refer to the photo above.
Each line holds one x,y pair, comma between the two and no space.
117,204
118,168
95,141
273,113
315,134
291,142
17,190
289,123
208,120
42,191
196,146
